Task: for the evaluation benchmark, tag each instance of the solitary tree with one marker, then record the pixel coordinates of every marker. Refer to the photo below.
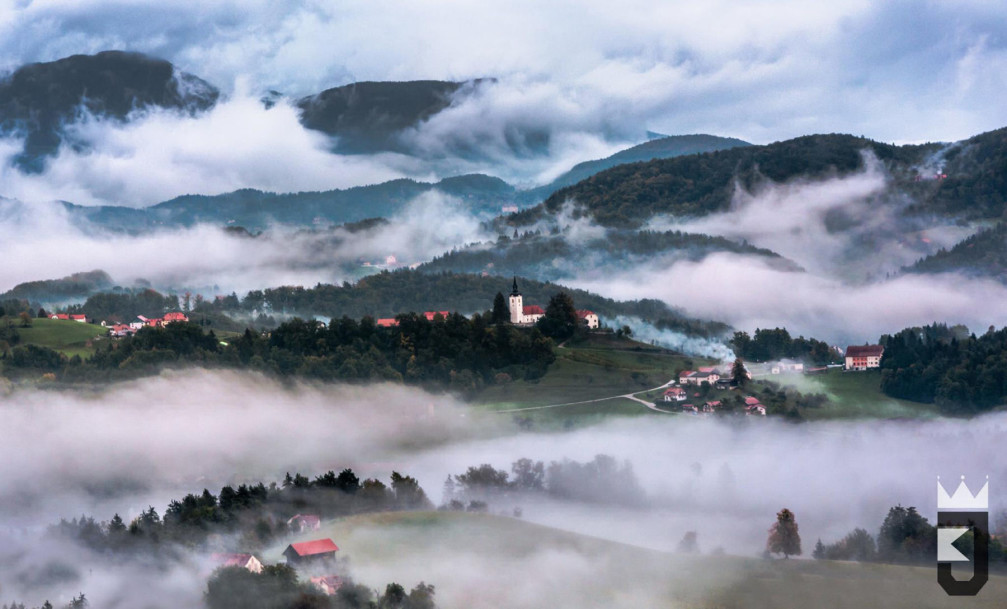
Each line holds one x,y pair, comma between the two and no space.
783,536
738,373
500,313
25,319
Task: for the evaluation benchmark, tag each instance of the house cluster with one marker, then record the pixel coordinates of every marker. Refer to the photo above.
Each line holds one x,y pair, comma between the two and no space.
315,558
526,315
678,394
63,316
864,357
121,330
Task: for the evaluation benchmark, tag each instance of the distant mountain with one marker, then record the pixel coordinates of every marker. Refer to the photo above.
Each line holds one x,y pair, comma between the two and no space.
38,100
257,210
367,117
663,147
984,254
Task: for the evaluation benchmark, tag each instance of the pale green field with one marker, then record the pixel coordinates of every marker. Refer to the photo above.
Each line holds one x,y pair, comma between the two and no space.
491,561
68,337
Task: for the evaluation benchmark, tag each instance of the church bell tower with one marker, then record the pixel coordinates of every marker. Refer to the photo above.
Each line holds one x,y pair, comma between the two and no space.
516,305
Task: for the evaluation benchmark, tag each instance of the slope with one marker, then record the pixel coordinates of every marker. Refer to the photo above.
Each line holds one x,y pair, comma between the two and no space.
477,560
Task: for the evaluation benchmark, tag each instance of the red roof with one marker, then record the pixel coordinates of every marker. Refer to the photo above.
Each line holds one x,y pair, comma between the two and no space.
864,351
62,316
175,317
431,314
751,401
675,391
387,322
582,313
76,317
708,369
327,583
533,310
684,373
311,548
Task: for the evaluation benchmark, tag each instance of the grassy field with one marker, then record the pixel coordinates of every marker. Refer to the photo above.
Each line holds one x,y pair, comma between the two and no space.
590,370
68,337
853,395
490,561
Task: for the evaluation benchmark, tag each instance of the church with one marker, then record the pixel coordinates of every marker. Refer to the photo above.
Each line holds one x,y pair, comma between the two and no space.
526,315
521,314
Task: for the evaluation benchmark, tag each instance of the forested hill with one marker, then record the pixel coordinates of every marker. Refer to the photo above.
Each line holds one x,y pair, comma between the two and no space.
390,293
555,257
981,255
367,117
661,148
628,195
257,210
40,99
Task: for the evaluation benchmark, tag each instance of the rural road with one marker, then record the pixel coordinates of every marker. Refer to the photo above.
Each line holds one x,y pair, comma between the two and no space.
628,396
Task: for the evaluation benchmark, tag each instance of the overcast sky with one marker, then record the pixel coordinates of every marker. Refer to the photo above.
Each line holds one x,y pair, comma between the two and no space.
760,70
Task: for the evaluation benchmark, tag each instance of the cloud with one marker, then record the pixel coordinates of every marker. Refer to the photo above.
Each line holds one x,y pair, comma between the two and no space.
204,257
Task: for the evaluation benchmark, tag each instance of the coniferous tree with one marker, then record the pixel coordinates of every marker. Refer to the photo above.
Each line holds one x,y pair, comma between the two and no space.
738,373
500,312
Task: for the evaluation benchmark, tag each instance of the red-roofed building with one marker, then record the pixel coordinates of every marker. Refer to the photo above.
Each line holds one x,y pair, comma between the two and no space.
328,584
304,522
675,394
751,401
245,561
386,322
519,313
173,317
588,318
79,318
121,330
318,550
864,357
711,406
62,316
431,315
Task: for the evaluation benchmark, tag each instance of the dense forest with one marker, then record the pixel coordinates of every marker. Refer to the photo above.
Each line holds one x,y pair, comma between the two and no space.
455,353
767,345
980,255
556,256
253,516
960,372
975,186
628,195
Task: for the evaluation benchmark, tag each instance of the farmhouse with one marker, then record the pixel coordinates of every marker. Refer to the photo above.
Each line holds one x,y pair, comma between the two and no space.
304,522
698,377
62,316
245,561
863,357
310,552
675,394
588,318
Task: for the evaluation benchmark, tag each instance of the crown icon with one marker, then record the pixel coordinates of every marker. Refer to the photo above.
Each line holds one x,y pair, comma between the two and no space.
963,499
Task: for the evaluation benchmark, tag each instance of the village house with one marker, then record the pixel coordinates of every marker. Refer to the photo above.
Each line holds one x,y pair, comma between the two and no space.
121,330
864,357
707,374
675,394
754,407
81,319
310,552
589,319
61,316
245,561
711,406
328,584
304,522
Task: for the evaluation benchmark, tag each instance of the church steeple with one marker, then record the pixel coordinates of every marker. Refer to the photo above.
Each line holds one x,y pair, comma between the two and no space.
515,291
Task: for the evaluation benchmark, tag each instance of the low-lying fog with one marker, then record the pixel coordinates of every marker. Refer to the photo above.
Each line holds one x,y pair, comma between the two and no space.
145,442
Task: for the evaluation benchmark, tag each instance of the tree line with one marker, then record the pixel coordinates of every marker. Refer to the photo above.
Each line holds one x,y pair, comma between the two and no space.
776,343
961,373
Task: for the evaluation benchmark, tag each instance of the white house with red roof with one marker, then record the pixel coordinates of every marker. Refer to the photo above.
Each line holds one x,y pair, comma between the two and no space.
588,318
864,357
81,319
675,394
60,316
245,561
707,374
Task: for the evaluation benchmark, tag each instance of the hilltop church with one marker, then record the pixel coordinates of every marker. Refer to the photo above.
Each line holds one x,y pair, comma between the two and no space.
526,315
